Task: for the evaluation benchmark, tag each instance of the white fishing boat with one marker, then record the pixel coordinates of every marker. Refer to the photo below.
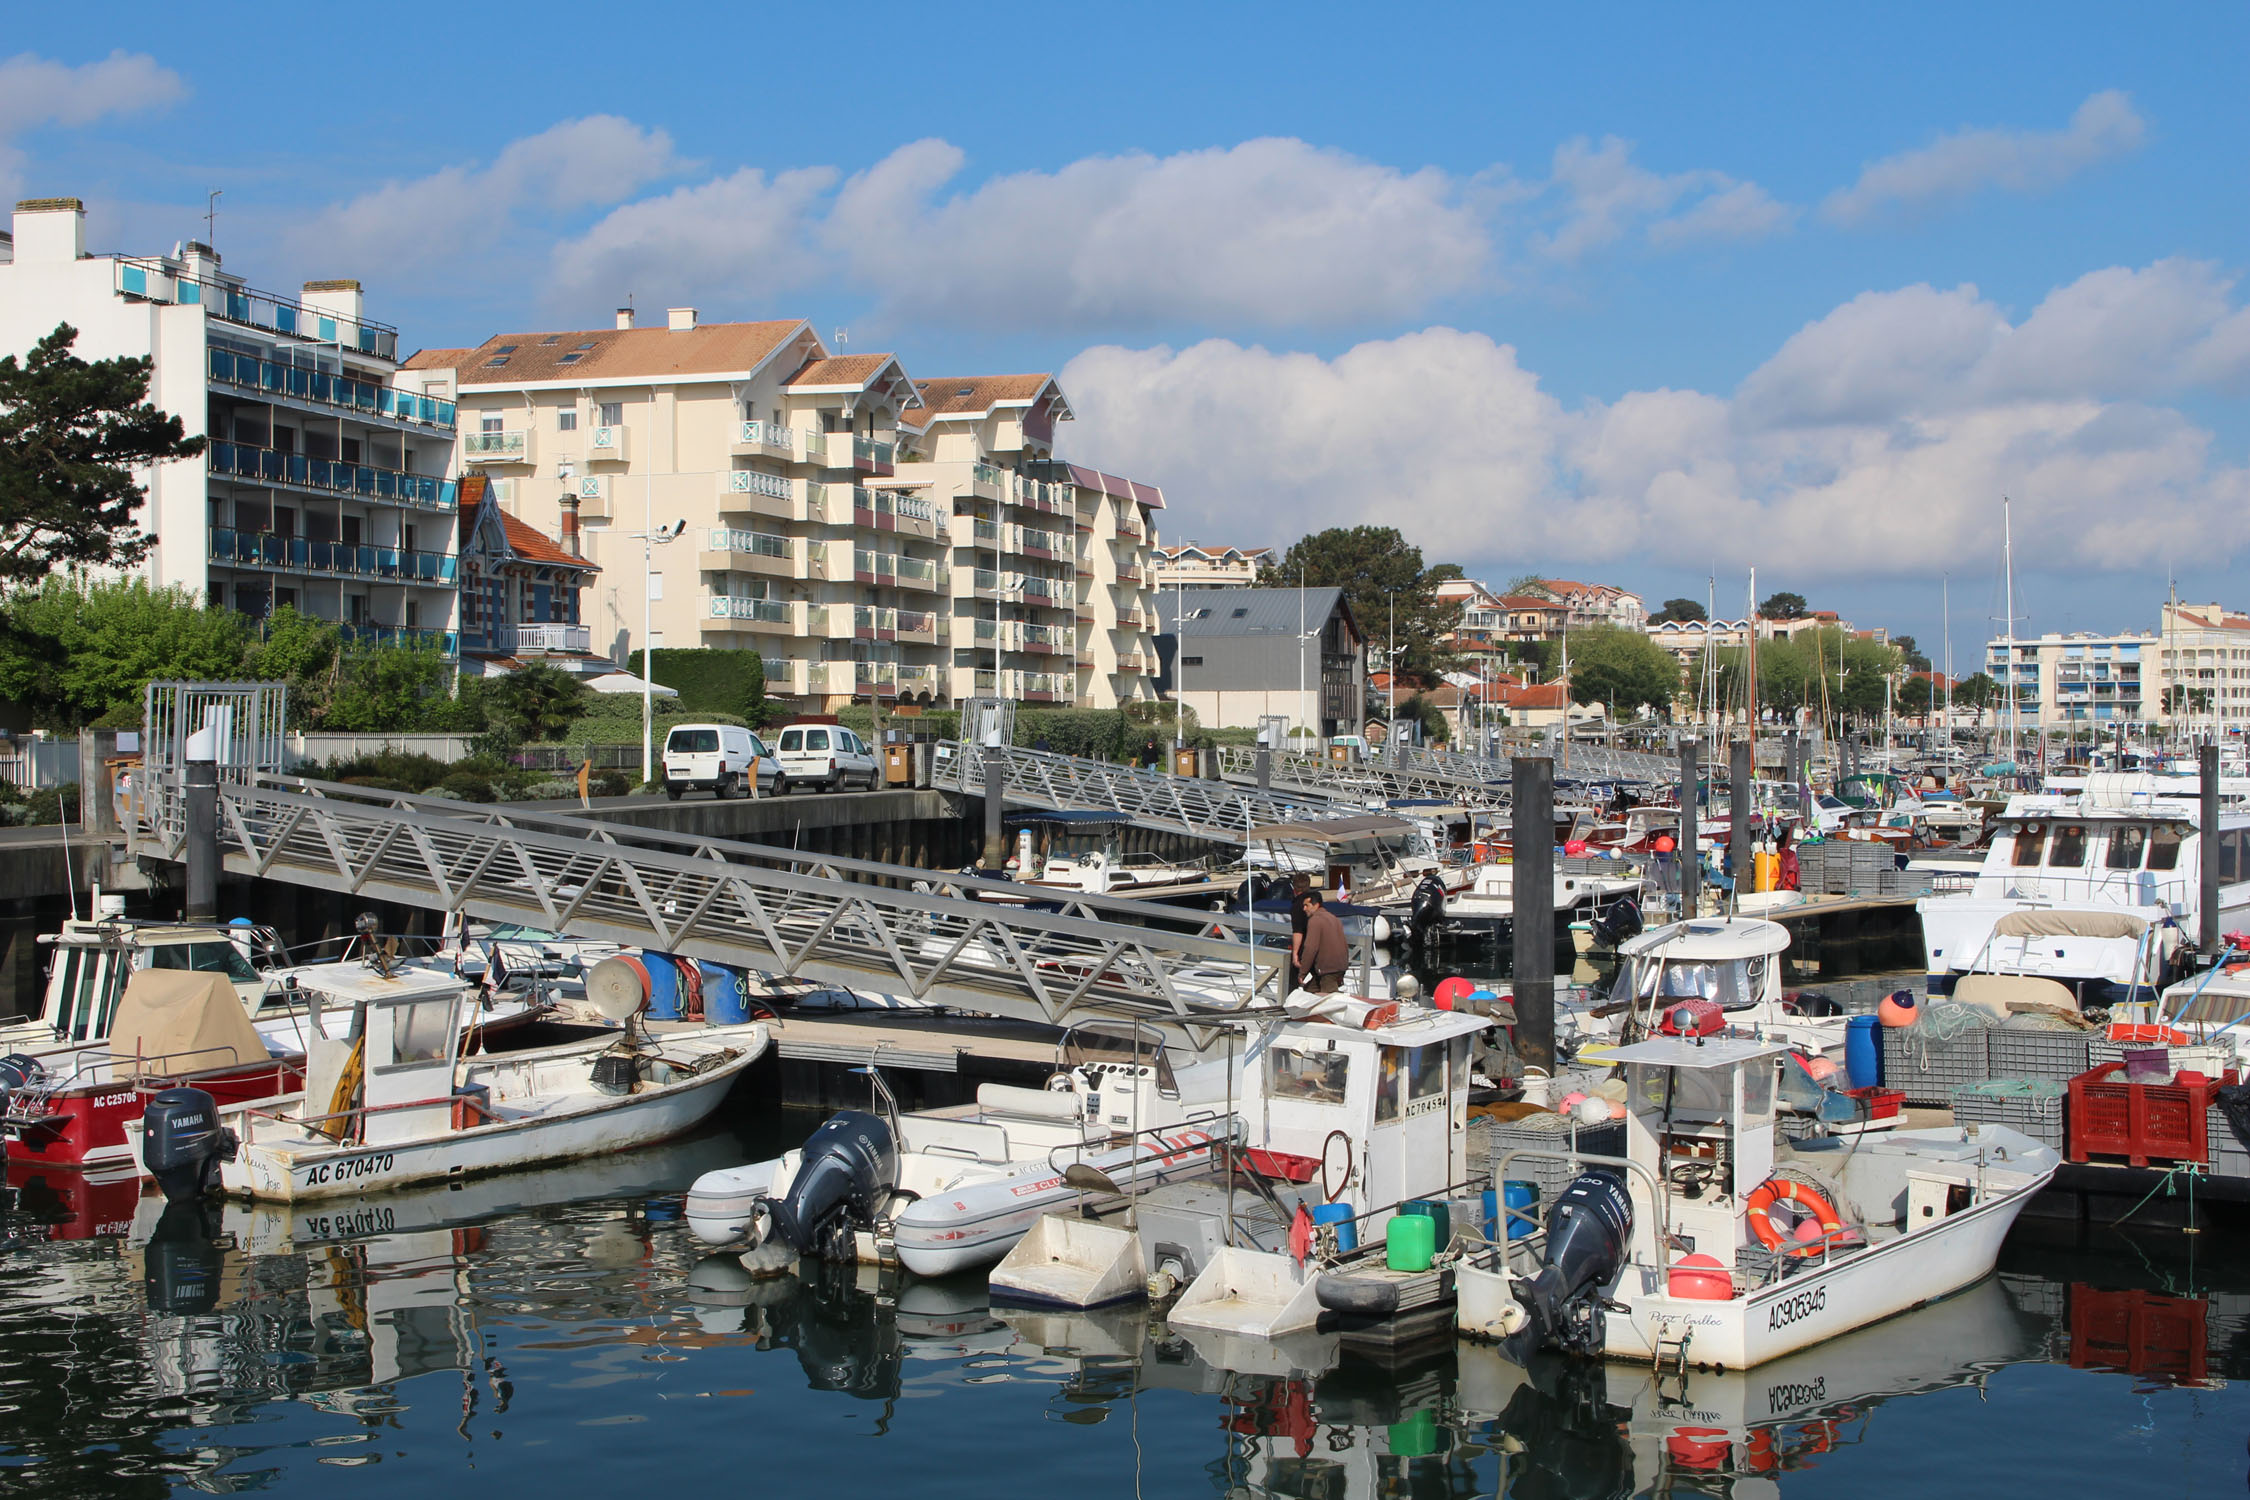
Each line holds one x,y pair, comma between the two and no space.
1486,906
1715,1242
953,1189
398,1104
1732,963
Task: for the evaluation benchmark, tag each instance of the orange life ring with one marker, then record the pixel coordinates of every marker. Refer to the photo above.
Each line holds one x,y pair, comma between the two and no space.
1772,1191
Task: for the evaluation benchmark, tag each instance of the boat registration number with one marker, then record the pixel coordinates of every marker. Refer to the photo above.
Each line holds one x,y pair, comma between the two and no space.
112,1101
340,1226
349,1169
1795,1309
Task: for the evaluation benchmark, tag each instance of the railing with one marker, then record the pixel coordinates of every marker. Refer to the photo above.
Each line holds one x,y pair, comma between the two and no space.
755,482
816,443
918,676
1050,542
269,466
874,565
238,304
869,621
867,452
295,554
734,539
1046,590
319,388
1151,799
985,531
448,642
728,607
873,674
915,621
544,636
1046,637
769,435
1043,684
779,670
508,444
920,568
915,508
984,579
607,444
1362,781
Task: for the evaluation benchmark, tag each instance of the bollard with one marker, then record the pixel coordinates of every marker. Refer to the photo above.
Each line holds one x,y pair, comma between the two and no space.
1691,843
1533,831
201,805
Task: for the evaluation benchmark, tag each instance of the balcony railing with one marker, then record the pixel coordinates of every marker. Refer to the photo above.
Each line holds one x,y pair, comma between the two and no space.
544,636
920,569
919,677
295,554
1046,591
239,304
1050,542
869,566
1040,685
753,482
870,623
984,580
734,539
727,607
507,446
269,466
915,508
872,456
771,436
319,388
448,642
608,445
917,622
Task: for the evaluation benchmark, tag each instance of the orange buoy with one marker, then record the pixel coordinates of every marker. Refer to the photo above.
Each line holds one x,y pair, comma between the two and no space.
1451,992
1898,1008
1701,1278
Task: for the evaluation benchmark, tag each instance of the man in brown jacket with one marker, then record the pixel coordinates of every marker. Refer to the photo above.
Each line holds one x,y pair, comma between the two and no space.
1325,955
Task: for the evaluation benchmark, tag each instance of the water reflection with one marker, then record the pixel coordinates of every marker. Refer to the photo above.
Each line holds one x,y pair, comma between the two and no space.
412,1338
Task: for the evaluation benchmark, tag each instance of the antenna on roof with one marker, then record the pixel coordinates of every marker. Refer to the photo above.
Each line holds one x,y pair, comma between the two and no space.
211,218
841,337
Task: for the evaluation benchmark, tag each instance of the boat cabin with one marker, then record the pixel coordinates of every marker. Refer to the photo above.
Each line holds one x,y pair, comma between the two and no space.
92,960
404,1041
1733,962
1083,851
1700,1119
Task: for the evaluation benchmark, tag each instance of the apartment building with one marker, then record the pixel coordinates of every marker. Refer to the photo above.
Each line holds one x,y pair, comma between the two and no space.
2203,667
1687,640
1592,604
1116,610
1192,565
2058,680
326,484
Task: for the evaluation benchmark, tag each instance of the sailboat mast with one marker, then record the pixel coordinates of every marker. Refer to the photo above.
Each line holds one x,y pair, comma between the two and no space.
1750,694
1945,596
2008,606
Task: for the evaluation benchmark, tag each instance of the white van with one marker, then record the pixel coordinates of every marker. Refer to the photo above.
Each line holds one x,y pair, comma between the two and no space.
826,755
717,758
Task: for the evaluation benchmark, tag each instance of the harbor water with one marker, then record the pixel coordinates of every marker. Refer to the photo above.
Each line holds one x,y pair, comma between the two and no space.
560,1333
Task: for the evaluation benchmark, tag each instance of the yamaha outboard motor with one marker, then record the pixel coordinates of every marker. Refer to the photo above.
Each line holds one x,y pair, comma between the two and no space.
17,1071
1586,1234
845,1174
1618,925
182,1143
1427,915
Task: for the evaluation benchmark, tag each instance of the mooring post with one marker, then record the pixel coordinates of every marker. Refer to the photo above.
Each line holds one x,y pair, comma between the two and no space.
1264,761
995,800
201,806
1533,837
1691,842
2207,866
1738,817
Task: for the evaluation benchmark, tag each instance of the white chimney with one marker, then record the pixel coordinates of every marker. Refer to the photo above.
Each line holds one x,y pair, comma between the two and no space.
50,229
624,317
679,319
338,299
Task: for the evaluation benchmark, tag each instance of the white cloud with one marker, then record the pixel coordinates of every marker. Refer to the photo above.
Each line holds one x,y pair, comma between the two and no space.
1876,441
1603,196
1968,161
740,237
571,166
36,92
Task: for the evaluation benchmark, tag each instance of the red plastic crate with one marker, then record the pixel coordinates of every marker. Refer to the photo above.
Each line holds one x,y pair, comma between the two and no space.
2141,1122
1882,1104
2140,1333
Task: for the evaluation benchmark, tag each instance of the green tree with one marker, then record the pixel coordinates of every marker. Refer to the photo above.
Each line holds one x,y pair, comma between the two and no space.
1686,611
1918,696
301,650
1378,570
535,702
1436,729
1976,692
77,651
71,434
1910,653
388,688
1783,606
1622,668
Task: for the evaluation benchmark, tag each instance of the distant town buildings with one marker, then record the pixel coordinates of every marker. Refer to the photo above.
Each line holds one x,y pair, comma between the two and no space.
1194,566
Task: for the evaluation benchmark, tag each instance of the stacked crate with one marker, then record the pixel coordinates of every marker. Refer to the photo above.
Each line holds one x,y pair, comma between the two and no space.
1928,1069
2031,1105
2024,1052
1845,867
1546,1133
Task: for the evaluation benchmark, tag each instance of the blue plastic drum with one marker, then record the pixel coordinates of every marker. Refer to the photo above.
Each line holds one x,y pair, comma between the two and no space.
1522,1199
1340,1215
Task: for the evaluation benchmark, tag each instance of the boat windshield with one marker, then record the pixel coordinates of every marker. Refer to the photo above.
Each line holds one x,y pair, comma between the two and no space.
1732,983
203,958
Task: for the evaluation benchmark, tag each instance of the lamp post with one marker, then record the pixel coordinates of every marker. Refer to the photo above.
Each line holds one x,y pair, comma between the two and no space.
650,540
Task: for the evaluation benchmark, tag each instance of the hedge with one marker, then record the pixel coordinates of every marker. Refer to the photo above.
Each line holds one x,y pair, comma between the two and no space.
711,682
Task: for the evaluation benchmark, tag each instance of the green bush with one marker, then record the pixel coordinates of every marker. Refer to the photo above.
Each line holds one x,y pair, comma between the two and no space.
467,786
52,804
610,784
387,770
711,682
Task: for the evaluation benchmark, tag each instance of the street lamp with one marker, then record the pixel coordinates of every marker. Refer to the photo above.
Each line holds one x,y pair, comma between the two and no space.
650,540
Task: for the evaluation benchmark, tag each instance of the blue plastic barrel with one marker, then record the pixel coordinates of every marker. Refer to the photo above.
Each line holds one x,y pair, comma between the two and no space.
1340,1215
1863,1051
1522,1199
663,985
723,1003
1488,1212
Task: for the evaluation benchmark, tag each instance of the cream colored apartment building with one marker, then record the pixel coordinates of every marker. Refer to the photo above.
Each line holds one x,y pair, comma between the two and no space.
832,512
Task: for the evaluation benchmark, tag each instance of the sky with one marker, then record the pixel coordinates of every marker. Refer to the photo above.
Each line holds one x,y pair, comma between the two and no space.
1636,294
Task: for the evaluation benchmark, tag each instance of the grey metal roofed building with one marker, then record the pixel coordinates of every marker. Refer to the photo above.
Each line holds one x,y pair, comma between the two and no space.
1237,655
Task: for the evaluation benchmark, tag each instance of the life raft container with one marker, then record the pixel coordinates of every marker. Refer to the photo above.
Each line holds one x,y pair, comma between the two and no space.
1772,1191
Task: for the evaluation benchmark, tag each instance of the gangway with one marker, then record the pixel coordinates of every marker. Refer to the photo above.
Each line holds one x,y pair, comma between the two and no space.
871,927
1582,762
1369,782
1192,805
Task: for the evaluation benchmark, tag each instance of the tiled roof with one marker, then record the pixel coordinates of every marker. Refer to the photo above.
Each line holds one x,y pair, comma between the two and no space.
974,395
1529,601
603,355
533,545
843,369
1110,484
435,359
1544,695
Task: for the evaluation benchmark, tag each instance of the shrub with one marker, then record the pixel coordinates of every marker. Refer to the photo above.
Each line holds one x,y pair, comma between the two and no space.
467,786
711,682
52,804
610,784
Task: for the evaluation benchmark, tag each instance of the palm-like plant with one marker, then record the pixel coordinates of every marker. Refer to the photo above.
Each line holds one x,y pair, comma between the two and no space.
536,702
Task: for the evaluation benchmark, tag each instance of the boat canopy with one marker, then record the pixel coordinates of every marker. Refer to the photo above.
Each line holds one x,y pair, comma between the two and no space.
1706,939
185,1019
1334,830
2045,921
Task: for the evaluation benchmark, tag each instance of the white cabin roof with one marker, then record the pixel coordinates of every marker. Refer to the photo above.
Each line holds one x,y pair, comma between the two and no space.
354,983
1686,1052
1707,938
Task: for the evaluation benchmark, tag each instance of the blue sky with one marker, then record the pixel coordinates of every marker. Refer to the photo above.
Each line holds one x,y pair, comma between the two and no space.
1631,294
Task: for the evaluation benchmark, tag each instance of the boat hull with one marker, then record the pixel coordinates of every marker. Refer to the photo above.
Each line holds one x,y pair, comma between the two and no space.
84,1128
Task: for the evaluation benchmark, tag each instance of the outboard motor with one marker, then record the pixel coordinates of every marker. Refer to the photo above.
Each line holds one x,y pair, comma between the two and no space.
186,1263
1427,914
16,1073
1586,1234
182,1143
845,1174
1618,925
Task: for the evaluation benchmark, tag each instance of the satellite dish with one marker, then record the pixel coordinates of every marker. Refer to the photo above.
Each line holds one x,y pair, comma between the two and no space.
617,990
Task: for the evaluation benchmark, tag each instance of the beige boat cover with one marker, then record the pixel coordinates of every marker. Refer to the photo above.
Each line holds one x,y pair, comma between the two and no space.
2005,994
182,1021
2038,922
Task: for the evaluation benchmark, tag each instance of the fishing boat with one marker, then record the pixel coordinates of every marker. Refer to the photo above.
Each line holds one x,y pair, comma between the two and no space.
1716,1242
400,1104
1485,908
952,1189
1732,965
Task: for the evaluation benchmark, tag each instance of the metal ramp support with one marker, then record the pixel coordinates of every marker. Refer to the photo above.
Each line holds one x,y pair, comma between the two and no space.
1150,799
1368,781
866,926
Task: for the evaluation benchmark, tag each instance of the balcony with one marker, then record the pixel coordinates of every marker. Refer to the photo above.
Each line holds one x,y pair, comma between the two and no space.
921,574
1034,495
1128,530
541,638
984,583
878,568
150,281
987,482
1128,576
968,531
872,624
825,560
1131,661
870,456
608,445
874,679
920,626
1045,639
363,633
873,509
763,616
294,554
761,493
831,622
915,516
504,446
274,381
764,439
320,476
1042,687
728,549
1048,593
918,678
784,674
1048,544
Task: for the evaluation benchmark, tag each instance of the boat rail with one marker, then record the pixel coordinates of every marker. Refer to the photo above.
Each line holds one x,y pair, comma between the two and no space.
144,1077
1236,1131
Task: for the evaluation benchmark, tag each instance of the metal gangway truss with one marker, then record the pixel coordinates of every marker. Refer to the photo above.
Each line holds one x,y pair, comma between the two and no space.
1195,805
1580,762
1370,782
911,934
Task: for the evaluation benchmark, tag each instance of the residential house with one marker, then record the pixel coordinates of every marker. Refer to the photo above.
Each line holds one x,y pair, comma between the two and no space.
1593,604
520,591
1235,656
1193,565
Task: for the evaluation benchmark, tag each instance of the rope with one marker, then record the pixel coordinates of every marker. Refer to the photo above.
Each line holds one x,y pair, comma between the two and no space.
2190,1169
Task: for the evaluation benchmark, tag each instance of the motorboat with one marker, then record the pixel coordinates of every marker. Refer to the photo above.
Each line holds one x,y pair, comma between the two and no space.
1084,853
1485,907
1717,1242
398,1103
1731,963
952,1189
2111,846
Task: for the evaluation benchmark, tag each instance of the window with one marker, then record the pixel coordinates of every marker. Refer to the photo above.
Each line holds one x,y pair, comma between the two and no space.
816,739
1238,614
2164,846
488,423
2125,847
692,742
1316,1077
566,419
1191,661
2031,839
792,739
612,414
1388,1069
2069,848
203,958
1425,1072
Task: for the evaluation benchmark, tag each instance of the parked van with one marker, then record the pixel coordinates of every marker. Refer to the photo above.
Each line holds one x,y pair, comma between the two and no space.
827,755
717,758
